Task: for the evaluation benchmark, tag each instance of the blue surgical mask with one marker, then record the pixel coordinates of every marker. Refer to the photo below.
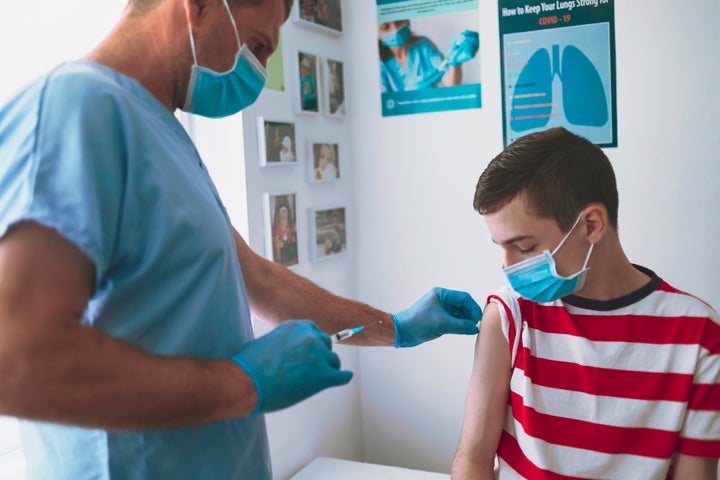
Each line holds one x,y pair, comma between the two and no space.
396,38
537,279
219,94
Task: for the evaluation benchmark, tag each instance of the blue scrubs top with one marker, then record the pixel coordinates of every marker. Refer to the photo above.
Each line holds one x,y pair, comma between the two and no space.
423,61
91,153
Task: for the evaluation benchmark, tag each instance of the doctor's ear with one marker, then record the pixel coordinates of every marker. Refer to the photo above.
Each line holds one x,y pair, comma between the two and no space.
194,10
596,224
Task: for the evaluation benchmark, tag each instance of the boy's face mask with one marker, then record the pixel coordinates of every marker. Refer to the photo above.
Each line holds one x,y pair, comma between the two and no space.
536,278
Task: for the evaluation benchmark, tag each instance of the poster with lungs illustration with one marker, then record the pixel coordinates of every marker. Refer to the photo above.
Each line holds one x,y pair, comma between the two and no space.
558,68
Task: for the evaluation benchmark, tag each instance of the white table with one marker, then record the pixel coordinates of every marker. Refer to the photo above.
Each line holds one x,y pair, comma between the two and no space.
324,468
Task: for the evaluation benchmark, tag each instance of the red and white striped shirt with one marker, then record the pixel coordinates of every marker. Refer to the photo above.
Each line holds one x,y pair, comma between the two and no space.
610,389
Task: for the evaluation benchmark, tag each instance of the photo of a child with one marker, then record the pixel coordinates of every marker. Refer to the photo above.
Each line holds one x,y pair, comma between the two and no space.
325,165
282,232
329,232
276,142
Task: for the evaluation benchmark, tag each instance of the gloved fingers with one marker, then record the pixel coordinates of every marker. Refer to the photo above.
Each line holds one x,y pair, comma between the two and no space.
333,360
471,37
310,328
333,375
460,304
325,339
343,377
460,326
337,378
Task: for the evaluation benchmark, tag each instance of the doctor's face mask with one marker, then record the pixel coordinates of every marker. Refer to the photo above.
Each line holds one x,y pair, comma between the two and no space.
536,278
219,94
396,37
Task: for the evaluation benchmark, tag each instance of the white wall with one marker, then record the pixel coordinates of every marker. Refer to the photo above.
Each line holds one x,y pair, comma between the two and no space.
410,197
330,423
417,228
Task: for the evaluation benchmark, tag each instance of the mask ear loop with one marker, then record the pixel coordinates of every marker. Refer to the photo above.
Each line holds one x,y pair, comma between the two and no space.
562,242
232,20
192,43
587,258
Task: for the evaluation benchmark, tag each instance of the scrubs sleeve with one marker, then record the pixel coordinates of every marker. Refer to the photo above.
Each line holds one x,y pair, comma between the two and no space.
384,78
431,54
68,169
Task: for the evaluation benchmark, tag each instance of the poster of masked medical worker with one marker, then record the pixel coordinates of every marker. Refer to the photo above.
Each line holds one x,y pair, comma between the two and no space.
280,228
428,53
558,68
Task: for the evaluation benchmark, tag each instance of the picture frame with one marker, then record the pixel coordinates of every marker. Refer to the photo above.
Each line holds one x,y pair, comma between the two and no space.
328,232
277,143
323,162
307,81
333,72
280,221
322,15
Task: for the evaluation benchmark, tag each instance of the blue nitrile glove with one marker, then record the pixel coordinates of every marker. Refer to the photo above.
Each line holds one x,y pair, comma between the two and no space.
438,312
463,47
290,364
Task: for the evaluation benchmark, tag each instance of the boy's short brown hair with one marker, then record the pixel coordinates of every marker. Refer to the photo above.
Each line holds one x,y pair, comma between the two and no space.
560,172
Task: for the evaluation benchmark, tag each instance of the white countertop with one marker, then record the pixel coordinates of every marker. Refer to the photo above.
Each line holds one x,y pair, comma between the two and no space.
324,468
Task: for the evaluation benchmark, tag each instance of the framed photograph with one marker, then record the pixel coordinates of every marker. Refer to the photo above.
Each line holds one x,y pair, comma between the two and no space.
276,143
328,233
308,95
325,164
334,87
280,216
324,15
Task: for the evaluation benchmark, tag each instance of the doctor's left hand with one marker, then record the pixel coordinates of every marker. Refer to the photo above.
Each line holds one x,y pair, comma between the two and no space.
438,312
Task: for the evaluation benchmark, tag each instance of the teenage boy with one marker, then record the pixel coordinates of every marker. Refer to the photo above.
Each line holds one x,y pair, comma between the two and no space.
593,367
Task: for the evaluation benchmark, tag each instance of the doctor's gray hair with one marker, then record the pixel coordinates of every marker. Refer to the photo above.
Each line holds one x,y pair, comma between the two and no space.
144,6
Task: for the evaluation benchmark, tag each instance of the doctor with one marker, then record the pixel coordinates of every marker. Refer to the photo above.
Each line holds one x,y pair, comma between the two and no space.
125,294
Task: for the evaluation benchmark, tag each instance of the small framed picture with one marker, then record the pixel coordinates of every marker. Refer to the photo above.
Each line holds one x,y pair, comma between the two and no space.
334,87
324,15
276,143
325,164
281,228
328,232
308,95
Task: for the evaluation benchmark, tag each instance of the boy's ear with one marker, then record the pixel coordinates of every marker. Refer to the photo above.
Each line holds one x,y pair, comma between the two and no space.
595,217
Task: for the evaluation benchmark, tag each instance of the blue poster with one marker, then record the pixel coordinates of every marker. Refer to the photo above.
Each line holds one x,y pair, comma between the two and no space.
428,53
558,68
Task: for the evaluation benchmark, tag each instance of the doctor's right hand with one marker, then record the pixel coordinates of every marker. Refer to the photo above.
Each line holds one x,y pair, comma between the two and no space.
463,47
290,364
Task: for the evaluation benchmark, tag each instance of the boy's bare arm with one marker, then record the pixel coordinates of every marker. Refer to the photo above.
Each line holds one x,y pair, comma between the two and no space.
486,402
699,468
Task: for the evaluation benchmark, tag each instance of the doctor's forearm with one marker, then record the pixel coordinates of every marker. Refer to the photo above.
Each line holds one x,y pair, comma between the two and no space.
277,294
453,76
301,298
82,377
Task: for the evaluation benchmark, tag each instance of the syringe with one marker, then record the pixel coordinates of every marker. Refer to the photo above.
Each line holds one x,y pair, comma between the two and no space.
344,334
